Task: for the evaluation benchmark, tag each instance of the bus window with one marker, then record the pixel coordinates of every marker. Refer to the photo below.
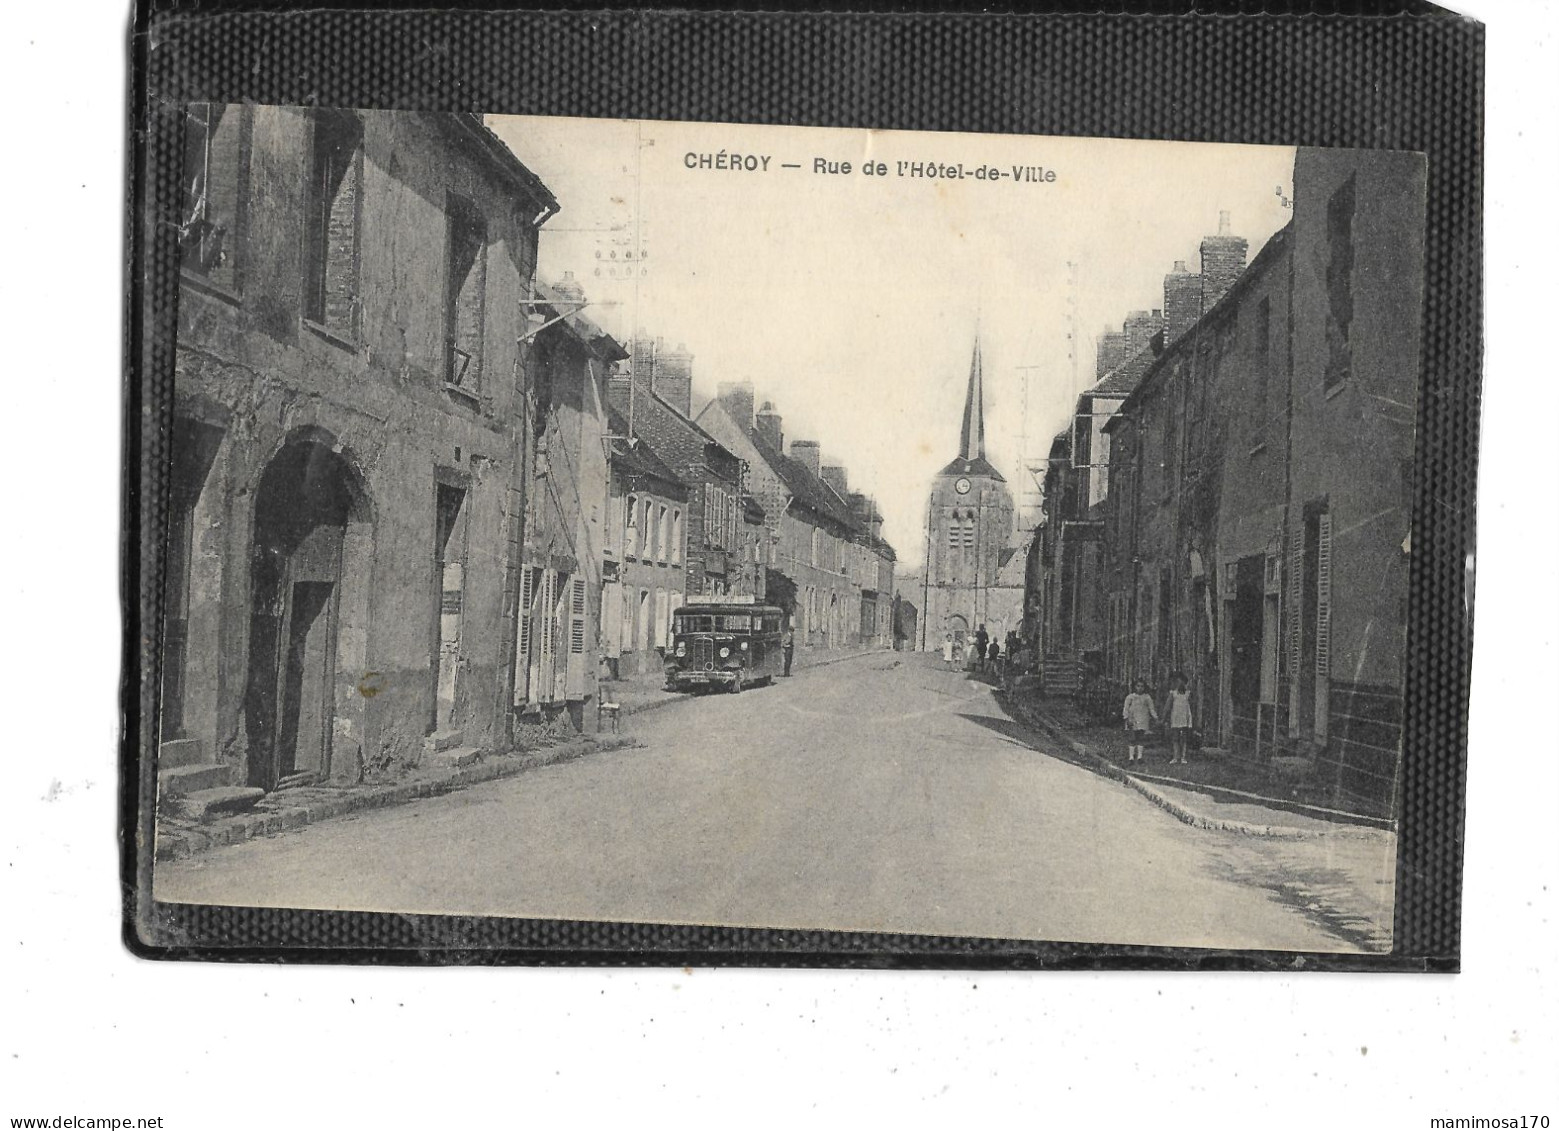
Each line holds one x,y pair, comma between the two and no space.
688,623
735,622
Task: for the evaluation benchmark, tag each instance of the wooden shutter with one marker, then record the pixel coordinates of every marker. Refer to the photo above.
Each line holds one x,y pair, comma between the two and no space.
525,613
546,648
1323,626
1296,604
576,640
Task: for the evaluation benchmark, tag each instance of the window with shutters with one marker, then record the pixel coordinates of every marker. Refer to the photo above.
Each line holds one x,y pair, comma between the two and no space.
577,669
526,613
330,291
1295,630
208,219
631,534
1339,284
662,617
1323,624
663,535
465,287
1261,355
676,536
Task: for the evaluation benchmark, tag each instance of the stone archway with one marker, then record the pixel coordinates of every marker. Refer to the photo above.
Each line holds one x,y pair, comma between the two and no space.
308,612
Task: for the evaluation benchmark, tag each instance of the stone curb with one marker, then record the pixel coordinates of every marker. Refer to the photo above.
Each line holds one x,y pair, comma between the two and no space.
1174,808
181,843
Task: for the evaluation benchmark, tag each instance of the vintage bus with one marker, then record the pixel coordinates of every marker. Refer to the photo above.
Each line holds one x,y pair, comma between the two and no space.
724,642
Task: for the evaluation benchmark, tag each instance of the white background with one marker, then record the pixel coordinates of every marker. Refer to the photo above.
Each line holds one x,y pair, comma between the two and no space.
85,1029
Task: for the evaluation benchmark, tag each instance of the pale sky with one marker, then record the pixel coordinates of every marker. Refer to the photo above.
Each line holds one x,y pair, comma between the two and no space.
851,301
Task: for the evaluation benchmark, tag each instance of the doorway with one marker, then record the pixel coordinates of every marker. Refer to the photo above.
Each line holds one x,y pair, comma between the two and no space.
306,501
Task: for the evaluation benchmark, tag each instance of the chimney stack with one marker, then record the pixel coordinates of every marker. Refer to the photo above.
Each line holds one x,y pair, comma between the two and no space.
668,373
769,425
1111,352
737,398
1140,327
1223,260
1182,301
836,477
809,454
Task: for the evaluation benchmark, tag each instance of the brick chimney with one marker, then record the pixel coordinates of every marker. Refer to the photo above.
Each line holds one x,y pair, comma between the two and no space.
770,426
860,509
1182,301
836,477
1140,327
1223,259
809,454
736,397
674,378
1111,352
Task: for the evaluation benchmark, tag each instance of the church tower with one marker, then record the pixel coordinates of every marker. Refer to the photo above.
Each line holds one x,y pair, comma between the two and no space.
968,531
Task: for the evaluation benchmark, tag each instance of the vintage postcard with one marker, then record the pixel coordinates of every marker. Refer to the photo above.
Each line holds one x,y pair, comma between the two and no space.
812,529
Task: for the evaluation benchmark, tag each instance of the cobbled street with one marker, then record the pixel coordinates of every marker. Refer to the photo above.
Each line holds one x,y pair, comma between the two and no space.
913,804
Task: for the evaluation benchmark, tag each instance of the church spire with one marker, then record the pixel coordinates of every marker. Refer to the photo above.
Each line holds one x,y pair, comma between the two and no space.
973,442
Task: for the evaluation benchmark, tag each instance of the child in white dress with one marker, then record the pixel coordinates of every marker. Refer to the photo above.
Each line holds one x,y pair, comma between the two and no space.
1140,714
1180,721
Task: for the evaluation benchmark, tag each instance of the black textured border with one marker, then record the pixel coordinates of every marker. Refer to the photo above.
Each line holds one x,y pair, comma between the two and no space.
1386,75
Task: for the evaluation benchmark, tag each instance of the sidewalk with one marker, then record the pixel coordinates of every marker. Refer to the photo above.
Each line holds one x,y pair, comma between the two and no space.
647,690
1213,791
286,809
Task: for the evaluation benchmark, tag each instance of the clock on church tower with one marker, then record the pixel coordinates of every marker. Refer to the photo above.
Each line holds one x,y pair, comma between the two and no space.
969,525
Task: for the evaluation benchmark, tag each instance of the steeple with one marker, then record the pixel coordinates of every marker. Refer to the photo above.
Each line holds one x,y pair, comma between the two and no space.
973,443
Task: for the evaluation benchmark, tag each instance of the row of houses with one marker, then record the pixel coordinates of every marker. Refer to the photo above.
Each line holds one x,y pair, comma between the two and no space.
418,501
1232,500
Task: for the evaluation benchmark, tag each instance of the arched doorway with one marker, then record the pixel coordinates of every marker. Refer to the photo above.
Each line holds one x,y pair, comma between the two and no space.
310,539
959,627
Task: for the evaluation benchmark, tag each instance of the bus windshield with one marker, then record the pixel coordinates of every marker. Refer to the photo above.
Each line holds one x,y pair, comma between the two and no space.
687,623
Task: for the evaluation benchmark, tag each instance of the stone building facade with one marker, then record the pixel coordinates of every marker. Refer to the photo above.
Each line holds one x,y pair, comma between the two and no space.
1256,528
566,511
644,555
345,440
826,561
717,538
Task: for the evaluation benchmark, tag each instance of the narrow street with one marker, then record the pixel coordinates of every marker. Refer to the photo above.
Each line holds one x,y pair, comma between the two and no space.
915,805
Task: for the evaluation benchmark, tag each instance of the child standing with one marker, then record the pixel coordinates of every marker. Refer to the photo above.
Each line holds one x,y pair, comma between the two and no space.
1180,722
1140,714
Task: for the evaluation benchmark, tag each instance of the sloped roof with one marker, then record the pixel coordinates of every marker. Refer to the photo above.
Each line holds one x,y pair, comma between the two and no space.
977,466
591,336
640,458
804,487
1121,380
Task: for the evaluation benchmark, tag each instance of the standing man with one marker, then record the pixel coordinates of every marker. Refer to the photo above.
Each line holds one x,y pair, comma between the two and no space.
982,641
788,643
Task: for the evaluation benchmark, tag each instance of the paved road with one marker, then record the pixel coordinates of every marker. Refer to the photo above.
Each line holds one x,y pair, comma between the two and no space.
880,793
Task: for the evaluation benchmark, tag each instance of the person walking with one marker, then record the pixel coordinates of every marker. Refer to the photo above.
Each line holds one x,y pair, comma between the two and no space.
982,641
994,658
788,645
947,650
1180,720
1140,715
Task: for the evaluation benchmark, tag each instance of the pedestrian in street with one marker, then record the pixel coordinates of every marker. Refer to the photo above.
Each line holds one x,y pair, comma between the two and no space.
971,651
1140,715
1180,721
788,644
947,650
993,655
982,640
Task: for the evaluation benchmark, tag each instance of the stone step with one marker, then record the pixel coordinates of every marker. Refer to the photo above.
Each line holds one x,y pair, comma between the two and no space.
177,752
181,781
441,740
207,804
458,757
